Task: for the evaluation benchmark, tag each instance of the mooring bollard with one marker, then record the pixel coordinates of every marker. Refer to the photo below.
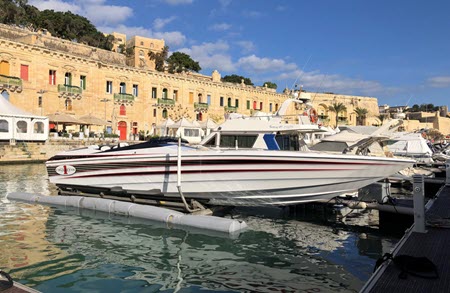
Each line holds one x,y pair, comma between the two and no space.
447,169
419,204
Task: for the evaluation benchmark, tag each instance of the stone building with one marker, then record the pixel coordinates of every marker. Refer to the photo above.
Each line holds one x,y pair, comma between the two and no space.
43,75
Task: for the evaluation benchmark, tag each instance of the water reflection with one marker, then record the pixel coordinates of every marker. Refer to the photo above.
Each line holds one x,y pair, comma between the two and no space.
67,250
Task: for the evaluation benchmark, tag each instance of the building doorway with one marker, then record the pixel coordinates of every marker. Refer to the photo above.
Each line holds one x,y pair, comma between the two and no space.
122,127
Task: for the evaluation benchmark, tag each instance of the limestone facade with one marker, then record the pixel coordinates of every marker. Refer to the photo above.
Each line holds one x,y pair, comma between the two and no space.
43,75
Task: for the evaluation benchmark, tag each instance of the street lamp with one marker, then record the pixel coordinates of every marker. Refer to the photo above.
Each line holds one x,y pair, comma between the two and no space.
105,100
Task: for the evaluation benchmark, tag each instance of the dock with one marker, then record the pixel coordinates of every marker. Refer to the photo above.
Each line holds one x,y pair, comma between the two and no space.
428,237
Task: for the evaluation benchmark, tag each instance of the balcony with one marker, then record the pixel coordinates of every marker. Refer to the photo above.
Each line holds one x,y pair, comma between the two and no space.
122,98
10,82
230,109
66,91
166,102
200,107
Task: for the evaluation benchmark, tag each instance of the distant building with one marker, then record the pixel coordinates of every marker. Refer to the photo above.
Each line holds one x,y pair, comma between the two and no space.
43,75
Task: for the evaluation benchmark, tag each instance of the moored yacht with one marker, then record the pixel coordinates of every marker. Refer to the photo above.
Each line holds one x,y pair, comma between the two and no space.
249,161
248,177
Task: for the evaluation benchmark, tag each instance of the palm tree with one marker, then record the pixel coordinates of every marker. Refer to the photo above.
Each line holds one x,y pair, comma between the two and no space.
381,117
361,115
337,108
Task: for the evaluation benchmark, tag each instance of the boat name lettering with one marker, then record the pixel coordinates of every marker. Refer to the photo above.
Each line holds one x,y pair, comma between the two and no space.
65,170
285,126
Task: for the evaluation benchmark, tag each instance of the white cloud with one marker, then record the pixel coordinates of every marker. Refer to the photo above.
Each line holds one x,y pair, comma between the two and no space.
159,23
172,39
94,10
127,30
178,2
220,27
247,46
439,81
211,56
316,81
107,14
256,64
56,5
252,14
224,3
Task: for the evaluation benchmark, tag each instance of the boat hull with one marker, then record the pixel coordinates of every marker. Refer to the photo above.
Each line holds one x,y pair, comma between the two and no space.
252,178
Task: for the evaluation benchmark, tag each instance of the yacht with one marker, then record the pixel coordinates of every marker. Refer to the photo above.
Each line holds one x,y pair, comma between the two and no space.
249,161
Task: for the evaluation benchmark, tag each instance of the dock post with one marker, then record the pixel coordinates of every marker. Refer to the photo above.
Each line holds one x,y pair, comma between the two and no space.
447,170
419,204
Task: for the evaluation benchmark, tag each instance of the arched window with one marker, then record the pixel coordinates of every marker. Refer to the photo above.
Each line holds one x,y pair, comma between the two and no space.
254,105
164,113
199,116
68,104
276,107
123,110
229,102
122,88
68,78
38,127
200,98
164,93
4,125
21,126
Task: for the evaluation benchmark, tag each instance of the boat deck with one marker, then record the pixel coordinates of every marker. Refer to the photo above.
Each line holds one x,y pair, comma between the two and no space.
19,288
433,244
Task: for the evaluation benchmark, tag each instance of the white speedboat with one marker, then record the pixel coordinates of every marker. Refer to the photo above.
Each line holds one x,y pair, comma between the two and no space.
250,177
248,161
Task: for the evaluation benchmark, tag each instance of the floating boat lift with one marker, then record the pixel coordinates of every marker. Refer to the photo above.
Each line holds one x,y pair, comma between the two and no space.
196,216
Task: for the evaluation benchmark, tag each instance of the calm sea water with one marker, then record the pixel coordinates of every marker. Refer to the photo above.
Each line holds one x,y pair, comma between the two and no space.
66,250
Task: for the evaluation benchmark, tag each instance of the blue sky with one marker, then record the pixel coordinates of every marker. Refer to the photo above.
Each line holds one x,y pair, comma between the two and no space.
397,51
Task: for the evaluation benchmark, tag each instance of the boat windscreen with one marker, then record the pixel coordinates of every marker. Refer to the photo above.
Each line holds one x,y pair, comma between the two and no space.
152,143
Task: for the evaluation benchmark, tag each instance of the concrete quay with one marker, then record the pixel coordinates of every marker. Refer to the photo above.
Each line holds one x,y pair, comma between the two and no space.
37,152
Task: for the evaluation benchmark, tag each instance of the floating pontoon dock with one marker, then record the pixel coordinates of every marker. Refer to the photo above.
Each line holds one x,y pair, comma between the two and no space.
428,237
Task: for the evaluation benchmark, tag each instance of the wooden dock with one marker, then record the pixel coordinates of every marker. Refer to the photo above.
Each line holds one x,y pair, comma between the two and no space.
433,244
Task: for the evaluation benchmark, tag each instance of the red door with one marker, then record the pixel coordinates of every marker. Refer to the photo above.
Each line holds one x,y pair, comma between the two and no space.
122,127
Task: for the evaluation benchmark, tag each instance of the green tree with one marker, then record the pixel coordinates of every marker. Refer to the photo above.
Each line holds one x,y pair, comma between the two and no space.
361,114
65,25
270,85
159,58
237,79
337,108
182,62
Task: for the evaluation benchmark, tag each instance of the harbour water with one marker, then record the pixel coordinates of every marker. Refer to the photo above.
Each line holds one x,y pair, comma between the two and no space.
67,250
